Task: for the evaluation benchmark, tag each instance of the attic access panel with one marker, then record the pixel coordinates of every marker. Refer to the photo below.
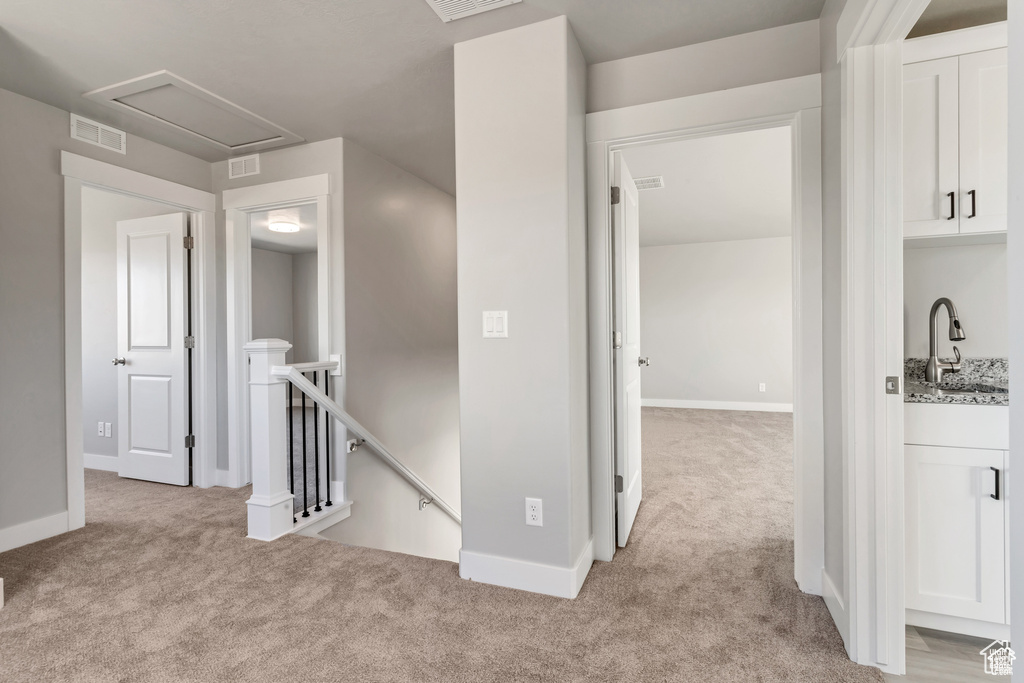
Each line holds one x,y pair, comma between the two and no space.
172,101
450,10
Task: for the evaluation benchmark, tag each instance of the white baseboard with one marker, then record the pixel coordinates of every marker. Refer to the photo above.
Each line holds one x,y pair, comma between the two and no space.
30,532
836,607
967,627
95,461
717,405
561,582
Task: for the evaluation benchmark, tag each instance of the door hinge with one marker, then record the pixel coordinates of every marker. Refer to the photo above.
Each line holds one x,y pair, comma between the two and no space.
190,441
190,342
616,340
616,195
618,483
190,242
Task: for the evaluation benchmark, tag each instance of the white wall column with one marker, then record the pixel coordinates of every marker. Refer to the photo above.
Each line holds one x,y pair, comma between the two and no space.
270,507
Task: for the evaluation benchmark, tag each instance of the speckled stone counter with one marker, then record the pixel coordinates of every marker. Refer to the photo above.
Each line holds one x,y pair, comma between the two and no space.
993,372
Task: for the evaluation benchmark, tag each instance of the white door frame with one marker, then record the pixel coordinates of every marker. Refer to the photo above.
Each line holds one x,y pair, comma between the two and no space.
238,203
80,172
795,103
871,615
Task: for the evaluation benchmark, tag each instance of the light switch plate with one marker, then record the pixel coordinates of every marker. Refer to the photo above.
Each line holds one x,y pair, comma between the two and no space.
495,324
107,431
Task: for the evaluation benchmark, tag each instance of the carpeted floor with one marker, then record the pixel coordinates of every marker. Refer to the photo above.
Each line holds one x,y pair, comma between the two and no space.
161,585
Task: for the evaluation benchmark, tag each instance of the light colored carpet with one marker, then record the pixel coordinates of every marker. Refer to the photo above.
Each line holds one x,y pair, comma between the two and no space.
161,585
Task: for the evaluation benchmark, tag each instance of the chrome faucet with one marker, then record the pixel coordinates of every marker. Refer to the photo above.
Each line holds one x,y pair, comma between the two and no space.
936,368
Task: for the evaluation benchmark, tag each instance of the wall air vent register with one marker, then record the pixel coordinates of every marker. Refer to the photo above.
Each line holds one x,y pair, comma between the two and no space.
97,134
450,10
653,182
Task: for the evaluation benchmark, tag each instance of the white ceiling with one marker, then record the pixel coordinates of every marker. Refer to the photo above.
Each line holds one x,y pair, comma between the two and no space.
379,72
721,188
301,242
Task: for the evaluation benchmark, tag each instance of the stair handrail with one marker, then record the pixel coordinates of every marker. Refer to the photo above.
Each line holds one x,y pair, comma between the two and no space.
294,375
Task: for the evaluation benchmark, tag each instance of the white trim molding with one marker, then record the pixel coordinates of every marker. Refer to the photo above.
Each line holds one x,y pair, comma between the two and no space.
280,192
238,203
31,532
718,405
80,172
104,463
869,54
953,43
560,582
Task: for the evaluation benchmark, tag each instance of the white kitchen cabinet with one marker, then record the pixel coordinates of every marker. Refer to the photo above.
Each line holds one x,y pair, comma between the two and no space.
956,533
955,115
954,529
984,112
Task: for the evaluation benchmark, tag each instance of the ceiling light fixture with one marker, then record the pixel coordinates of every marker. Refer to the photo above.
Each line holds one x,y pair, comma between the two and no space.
284,226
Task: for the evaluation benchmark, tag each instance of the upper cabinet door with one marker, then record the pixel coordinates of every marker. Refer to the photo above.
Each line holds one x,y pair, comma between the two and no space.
983,141
930,148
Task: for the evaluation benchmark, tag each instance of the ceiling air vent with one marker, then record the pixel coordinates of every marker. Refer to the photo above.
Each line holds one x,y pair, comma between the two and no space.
450,10
98,134
243,166
651,182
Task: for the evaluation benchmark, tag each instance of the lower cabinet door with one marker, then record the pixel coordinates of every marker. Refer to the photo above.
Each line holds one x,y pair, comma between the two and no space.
955,542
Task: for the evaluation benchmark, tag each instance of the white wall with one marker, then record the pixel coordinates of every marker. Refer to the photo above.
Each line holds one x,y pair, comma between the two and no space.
716,319
33,459
402,367
759,57
304,309
519,104
100,213
272,296
974,277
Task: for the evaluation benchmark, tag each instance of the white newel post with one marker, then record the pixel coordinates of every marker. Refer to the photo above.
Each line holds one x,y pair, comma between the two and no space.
270,507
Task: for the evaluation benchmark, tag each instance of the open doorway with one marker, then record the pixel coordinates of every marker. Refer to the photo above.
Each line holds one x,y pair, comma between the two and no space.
704,330
117,194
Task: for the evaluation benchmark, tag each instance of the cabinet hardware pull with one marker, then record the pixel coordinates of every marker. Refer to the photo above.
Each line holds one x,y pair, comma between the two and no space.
995,496
952,206
974,203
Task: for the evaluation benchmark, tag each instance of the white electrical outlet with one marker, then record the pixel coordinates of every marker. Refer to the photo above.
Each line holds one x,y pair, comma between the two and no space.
106,429
99,428
534,512
762,387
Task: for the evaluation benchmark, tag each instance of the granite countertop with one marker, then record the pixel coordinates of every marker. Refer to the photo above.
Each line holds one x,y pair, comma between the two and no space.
981,381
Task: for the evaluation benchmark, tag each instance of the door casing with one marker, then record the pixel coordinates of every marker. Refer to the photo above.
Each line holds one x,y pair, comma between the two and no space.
795,103
79,172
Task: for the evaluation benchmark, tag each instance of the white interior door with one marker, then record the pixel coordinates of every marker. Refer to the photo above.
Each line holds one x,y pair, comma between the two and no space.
153,383
626,235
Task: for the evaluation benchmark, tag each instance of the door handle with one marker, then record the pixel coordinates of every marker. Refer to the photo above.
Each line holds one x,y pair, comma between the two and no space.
644,362
118,361
952,206
995,496
974,203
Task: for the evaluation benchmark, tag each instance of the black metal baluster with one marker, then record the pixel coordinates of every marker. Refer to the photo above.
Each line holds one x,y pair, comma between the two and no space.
291,447
305,502
316,446
327,436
